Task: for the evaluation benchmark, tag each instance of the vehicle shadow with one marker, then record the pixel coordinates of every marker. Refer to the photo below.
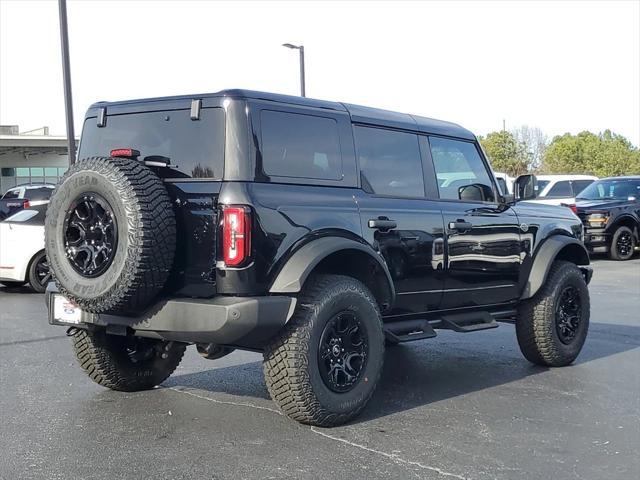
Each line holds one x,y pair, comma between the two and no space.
423,373
23,289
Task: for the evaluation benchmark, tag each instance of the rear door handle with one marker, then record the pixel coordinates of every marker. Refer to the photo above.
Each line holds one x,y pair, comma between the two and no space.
460,225
382,223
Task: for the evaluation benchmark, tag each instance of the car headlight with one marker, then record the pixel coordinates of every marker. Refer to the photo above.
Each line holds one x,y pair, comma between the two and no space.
597,220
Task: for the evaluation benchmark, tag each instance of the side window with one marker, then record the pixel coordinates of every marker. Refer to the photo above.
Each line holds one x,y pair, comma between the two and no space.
579,186
300,146
460,171
560,189
389,161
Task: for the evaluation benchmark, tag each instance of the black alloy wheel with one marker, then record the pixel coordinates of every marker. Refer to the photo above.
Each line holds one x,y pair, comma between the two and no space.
43,273
624,244
568,314
342,353
90,235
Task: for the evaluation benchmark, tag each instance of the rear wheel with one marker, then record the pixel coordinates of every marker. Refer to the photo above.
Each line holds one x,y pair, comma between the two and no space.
39,273
128,363
623,244
552,326
324,367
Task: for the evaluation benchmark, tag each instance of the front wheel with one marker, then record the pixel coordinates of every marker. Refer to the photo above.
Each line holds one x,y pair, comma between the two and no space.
324,367
623,244
552,326
127,364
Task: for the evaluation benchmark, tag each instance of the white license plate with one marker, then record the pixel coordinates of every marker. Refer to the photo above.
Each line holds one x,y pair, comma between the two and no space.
65,311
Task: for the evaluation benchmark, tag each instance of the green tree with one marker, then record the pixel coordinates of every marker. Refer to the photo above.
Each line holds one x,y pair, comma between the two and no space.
605,154
506,153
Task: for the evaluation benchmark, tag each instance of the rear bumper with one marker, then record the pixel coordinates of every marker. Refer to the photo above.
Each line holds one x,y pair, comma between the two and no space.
244,322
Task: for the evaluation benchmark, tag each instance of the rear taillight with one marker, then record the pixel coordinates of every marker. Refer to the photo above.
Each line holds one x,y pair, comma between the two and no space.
572,206
236,235
26,204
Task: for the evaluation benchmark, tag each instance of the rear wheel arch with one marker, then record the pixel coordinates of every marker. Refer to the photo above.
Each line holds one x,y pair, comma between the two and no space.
341,256
558,247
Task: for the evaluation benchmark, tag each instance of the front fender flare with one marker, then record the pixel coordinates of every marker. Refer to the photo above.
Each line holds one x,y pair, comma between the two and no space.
297,269
546,255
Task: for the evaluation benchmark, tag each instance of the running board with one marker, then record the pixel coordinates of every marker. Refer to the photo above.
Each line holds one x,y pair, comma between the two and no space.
469,322
408,330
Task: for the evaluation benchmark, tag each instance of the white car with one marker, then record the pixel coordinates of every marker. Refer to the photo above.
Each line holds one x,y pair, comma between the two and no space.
22,257
561,189
505,182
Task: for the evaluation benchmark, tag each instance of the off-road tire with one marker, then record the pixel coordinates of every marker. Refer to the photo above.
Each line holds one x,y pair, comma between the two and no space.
146,235
614,253
291,365
536,321
105,359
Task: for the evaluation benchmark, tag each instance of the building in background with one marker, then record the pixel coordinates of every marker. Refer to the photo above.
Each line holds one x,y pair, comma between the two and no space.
30,157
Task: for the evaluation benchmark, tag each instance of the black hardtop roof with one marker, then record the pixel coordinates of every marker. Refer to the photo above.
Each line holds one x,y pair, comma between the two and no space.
359,114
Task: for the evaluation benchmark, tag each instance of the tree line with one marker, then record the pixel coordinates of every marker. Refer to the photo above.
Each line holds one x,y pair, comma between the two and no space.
528,149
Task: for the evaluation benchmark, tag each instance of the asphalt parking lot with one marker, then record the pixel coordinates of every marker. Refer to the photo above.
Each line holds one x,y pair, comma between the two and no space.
457,406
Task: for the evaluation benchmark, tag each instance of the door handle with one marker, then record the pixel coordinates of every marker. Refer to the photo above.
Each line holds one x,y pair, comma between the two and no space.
460,225
382,223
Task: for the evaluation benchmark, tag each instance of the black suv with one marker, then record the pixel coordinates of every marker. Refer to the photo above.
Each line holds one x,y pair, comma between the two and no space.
312,231
610,211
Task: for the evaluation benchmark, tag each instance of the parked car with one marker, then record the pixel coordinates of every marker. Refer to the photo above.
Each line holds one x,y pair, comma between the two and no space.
22,256
309,230
24,196
561,189
505,182
610,212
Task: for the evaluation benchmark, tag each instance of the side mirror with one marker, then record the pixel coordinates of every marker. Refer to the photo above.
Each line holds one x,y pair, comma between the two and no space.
476,192
525,187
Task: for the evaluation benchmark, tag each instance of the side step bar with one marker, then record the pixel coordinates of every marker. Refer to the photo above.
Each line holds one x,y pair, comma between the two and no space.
408,330
417,329
469,322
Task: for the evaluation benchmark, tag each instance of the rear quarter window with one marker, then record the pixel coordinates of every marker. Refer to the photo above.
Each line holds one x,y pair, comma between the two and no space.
195,148
300,146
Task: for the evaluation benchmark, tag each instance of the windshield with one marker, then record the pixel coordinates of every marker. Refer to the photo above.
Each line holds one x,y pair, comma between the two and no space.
542,184
613,189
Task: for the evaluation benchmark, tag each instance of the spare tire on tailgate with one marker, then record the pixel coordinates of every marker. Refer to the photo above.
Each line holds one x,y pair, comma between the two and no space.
110,235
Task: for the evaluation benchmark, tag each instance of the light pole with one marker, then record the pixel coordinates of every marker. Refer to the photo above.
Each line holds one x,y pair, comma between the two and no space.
301,49
66,78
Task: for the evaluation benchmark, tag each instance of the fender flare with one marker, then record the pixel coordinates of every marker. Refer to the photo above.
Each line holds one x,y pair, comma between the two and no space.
297,269
542,261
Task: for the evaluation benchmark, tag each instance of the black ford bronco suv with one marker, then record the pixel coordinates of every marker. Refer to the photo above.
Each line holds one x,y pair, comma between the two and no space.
311,231
610,211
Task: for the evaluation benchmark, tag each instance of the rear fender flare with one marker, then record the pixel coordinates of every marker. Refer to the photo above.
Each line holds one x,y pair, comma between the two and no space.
297,269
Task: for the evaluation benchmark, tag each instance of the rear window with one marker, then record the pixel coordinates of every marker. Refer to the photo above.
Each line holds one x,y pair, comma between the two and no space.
195,148
22,216
579,185
42,193
560,189
300,146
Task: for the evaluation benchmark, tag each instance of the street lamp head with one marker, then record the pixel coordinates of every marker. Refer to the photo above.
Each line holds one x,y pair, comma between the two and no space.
289,45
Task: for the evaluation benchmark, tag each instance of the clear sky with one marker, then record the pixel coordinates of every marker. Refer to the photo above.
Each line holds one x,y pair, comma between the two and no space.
561,66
